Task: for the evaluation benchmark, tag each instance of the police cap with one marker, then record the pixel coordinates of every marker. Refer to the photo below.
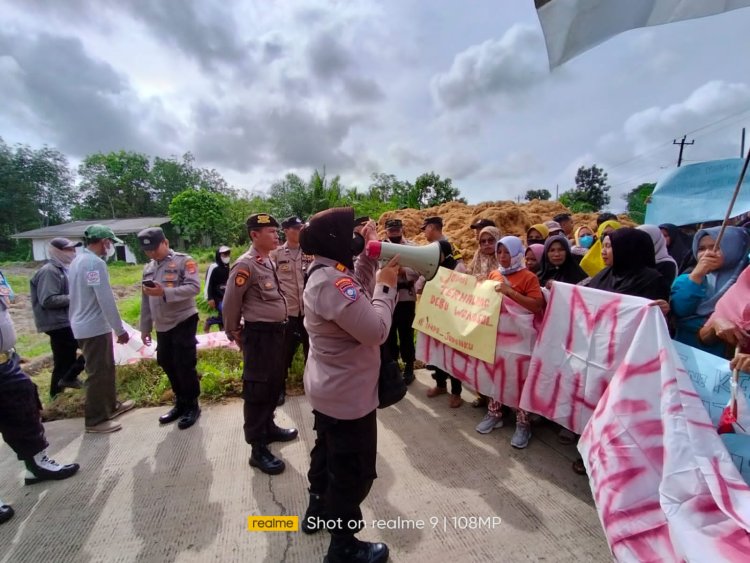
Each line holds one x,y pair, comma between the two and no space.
394,224
151,238
260,220
292,222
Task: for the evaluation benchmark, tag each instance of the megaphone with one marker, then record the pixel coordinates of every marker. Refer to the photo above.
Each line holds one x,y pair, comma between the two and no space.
423,259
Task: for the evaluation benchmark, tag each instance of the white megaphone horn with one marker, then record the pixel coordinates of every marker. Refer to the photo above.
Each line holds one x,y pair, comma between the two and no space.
423,259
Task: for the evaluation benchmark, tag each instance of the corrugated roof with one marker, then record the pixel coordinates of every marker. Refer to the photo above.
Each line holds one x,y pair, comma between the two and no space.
76,228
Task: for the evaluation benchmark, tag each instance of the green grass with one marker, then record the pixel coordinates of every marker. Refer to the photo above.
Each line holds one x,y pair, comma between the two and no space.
33,345
20,284
130,309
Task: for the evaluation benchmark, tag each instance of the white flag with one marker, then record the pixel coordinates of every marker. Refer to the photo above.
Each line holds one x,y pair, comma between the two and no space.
574,26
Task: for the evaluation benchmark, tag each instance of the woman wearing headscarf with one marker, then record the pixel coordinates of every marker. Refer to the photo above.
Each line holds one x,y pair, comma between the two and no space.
520,285
630,266
678,243
695,295
584,240
347,325
592,262
533,257
537,234
485,259
665,264
558,263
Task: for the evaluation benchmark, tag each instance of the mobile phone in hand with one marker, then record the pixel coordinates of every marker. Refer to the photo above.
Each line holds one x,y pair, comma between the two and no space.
149,283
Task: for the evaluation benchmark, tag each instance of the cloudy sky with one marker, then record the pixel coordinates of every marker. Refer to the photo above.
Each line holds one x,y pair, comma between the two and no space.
257,89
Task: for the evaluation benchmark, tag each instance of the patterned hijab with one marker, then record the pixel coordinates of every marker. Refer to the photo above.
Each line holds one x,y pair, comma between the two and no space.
483,264
517,253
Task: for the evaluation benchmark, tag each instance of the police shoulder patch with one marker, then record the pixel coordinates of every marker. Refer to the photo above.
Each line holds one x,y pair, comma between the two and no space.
191,267
347,288
241,278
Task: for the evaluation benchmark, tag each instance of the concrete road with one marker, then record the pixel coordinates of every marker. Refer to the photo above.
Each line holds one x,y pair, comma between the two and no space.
158,494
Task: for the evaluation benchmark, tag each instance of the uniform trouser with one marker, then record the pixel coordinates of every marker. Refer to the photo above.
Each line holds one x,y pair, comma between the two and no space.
101,394
263,377
177,356
67,363
294,336
20,411
402,334
218,319
342,467
441,378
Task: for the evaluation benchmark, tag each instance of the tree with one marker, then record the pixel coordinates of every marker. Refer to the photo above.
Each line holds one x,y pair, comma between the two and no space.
590,193
36,190
637,198
542,194
202,217
116,185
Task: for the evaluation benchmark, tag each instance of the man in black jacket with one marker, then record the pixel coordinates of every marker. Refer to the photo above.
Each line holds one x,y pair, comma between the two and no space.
216,284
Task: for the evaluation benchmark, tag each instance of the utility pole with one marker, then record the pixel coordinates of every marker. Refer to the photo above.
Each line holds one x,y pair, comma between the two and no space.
742,144
682,144
557,192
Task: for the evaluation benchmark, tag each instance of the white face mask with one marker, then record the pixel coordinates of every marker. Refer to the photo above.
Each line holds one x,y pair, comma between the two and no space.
110,250
225,259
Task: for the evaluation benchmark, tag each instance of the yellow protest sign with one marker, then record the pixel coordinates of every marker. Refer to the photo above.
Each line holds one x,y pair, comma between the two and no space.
460,312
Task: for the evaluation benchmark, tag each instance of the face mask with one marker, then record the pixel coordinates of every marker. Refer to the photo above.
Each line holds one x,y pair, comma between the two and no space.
395,240
358,244
225,259
110,251
587,241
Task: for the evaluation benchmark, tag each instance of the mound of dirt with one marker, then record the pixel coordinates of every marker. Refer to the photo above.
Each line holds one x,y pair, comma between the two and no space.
511,218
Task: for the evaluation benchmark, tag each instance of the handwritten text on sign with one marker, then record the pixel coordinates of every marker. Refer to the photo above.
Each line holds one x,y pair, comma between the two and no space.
460,312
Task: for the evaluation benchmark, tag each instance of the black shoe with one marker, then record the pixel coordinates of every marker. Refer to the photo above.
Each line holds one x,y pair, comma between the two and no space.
264,460
312,514
356,551
173,414
282,399
409,376
72,384
190,417
41,468
281,434
6,513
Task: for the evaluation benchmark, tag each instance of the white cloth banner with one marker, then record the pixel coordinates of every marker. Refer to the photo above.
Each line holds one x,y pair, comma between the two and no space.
665,486
503,379
574,26
135,351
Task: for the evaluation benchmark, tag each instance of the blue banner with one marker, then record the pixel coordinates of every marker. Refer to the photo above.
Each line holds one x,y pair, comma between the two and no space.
698,192
711,378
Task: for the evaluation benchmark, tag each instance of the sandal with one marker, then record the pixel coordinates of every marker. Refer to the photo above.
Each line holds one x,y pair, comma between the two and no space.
578,467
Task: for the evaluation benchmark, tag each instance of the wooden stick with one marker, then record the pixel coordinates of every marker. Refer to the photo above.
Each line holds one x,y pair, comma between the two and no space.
731,203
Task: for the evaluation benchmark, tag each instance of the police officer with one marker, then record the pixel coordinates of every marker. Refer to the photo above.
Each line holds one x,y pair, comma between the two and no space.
401,337
291,265
170,284
254,294
346,328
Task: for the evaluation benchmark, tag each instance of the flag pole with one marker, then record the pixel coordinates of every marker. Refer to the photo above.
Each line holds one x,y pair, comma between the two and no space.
731,203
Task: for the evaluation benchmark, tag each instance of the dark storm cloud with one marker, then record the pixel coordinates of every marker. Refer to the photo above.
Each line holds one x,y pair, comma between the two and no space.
328,57
82,104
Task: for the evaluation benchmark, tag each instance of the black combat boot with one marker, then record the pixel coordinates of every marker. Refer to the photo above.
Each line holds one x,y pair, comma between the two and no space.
277,434
282,399
191,414
6,512
313,513
264,460
409,376
41,468
348,549
174,413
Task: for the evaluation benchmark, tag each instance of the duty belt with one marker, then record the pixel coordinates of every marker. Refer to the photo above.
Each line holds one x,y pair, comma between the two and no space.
266,326
6,356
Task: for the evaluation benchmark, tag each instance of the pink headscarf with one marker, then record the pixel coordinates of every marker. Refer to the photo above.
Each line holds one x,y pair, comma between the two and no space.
734,305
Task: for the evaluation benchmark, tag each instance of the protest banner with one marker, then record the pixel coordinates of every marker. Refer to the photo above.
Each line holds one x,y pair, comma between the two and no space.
503,378
461,312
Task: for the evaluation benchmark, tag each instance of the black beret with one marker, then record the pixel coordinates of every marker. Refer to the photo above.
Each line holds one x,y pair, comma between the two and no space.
394,224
